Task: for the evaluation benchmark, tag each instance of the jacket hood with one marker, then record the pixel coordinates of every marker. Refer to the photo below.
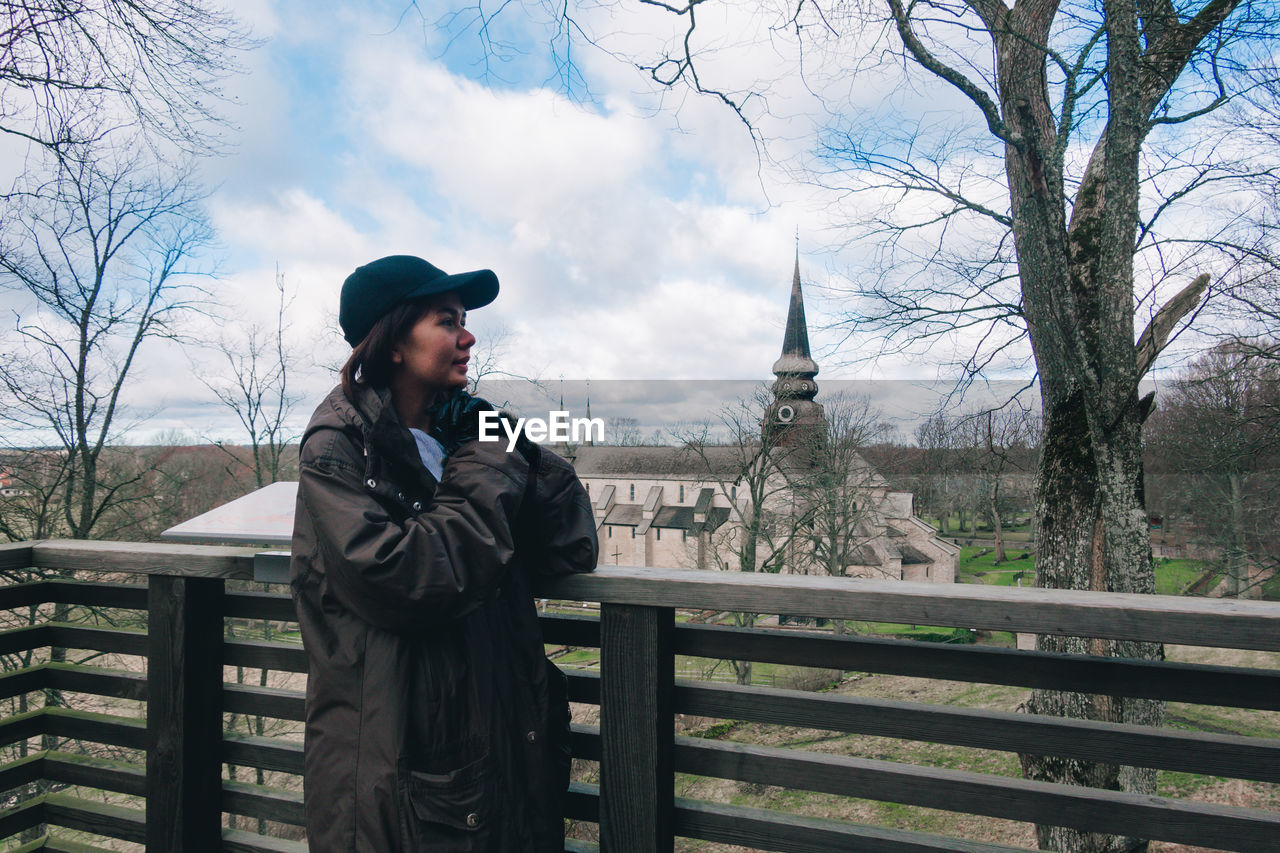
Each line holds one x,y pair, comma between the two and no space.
374,418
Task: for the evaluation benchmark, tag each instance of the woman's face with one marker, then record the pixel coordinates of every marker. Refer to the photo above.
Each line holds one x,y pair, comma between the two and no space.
435,353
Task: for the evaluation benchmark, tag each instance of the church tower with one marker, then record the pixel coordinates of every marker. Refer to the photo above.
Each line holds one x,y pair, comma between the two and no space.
793,417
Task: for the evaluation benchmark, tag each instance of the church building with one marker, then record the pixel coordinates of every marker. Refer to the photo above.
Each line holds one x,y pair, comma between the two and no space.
786,498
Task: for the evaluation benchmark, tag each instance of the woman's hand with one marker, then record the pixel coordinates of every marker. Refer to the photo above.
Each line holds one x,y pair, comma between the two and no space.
457,420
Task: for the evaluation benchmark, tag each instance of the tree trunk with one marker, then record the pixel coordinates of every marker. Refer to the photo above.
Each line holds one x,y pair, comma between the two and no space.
998,529
1092,536
742,668
1236,559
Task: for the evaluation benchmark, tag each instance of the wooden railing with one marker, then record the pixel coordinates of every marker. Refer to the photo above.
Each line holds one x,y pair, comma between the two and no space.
163,782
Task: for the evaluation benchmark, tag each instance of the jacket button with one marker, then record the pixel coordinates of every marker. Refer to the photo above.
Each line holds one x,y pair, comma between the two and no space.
532,737
371,483
473,820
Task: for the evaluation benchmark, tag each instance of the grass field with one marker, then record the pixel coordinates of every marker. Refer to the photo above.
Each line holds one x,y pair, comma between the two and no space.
978,565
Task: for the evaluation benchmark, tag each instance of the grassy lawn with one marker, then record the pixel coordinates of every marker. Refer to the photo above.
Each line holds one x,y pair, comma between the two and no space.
1174,576
978,565
1011,532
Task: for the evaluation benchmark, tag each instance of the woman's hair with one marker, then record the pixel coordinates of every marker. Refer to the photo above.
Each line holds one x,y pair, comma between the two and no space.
370,361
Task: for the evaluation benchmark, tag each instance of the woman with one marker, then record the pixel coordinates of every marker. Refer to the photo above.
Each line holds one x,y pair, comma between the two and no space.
433,721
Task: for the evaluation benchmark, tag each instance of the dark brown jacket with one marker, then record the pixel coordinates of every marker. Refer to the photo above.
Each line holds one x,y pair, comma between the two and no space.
434,722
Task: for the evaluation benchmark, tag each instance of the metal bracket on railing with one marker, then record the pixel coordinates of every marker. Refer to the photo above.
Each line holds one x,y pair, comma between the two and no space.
271,567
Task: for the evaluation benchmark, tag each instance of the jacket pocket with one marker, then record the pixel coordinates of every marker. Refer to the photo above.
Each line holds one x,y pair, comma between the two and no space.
460,799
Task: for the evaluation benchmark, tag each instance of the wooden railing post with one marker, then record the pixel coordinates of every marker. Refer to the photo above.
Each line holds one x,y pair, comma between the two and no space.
636,728
184,714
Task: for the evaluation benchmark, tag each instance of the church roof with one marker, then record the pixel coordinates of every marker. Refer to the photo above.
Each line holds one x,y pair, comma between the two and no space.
795,356
669,517
722,463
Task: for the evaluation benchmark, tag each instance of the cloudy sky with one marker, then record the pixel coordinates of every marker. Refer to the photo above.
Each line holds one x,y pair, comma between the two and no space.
636,232
635,237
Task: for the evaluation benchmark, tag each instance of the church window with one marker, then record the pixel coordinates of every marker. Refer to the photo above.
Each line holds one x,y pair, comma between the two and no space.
659,534
633,533
682,494
733,493
610,528
633,492
682,535
588,485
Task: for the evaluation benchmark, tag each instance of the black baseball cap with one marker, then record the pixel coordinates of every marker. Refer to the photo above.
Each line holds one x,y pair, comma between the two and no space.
378,286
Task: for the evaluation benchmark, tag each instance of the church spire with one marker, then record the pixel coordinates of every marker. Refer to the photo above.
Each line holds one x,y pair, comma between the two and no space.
795,341
793,411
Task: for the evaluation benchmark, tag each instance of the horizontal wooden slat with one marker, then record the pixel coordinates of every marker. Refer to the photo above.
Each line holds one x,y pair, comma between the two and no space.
1141,746
239,841
571,630
1171,619
18,640
584,687
15,556
1229,623
63,845
24,771
1162,819
275,606
145,558
127,732
32,846
1235,687
97,818
266,803
69,769
585,741
20,727
22,817
81,725
582,802
75,679
262,752
22,681
57,845
264,701
260,655
760,829
87,593
63,636
89,772
95,681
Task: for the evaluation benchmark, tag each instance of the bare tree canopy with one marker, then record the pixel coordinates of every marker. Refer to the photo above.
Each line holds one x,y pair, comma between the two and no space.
99,251
252,381
1215,440
71,72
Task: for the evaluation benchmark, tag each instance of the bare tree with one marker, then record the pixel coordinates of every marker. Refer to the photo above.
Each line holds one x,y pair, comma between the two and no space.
98,253
624,431
256,387
1218,433
838,491
70,72
747,472
937,437
998,443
